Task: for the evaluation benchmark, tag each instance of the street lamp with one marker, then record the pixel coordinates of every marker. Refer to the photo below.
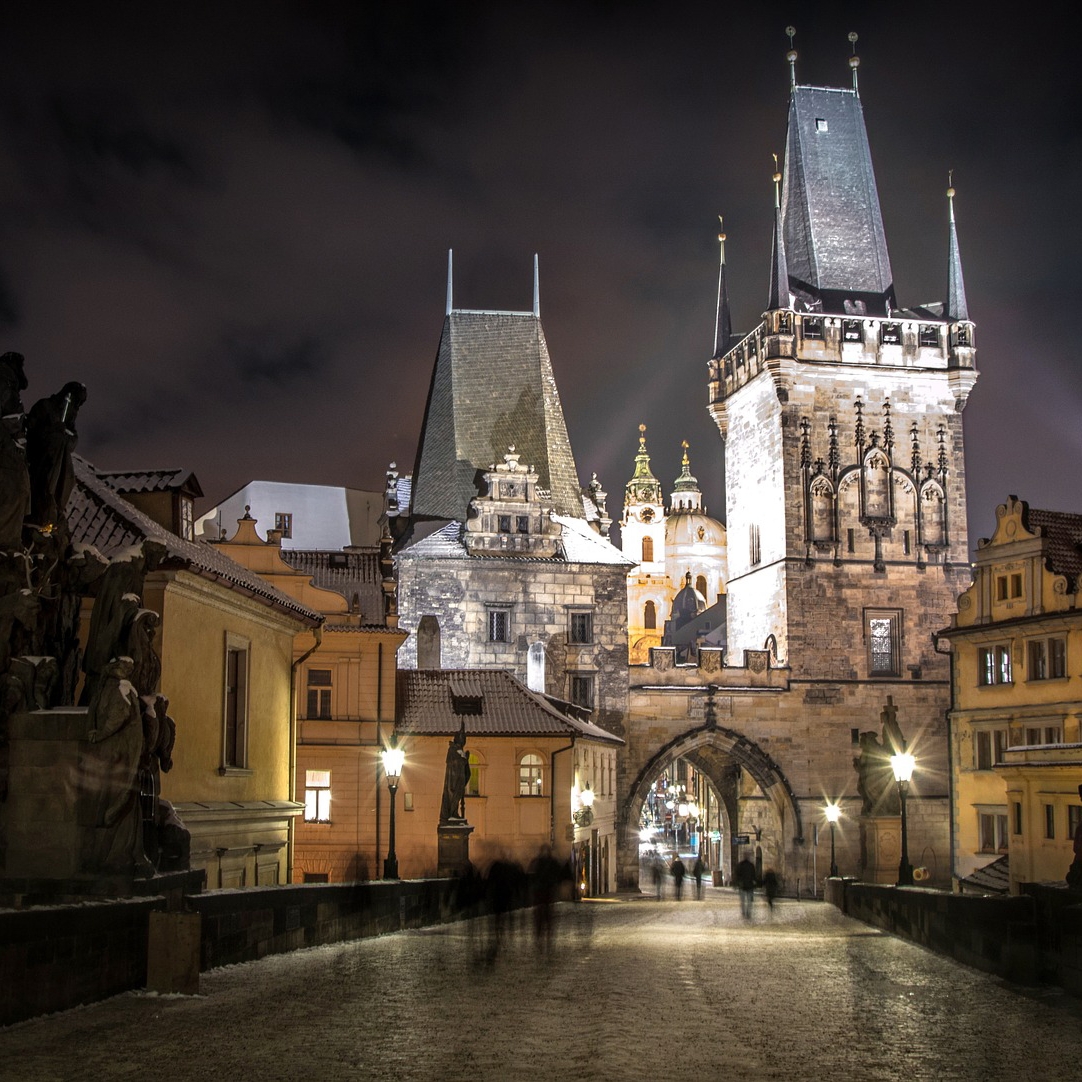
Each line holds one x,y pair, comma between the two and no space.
902,764
833,813
393,758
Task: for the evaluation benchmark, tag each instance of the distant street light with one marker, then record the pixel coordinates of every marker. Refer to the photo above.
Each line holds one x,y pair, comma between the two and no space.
393,759
902,764
833,813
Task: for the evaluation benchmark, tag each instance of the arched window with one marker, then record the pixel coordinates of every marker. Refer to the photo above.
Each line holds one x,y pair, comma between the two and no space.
649,616
700,584
822,511
530,775
647,550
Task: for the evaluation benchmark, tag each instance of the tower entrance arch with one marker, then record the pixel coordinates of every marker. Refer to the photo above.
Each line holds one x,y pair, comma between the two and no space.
759,813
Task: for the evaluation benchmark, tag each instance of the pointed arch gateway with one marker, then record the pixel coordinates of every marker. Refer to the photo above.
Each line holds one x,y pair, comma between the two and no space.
713,749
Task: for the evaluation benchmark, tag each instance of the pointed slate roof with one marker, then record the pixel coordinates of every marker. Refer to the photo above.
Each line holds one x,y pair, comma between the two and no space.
835,245
957,308
723,329
492,387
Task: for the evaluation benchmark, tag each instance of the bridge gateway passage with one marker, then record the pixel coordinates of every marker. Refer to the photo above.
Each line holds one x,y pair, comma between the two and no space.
628,989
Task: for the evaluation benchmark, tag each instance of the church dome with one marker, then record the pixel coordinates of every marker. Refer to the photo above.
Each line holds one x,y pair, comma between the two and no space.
687,604
693,528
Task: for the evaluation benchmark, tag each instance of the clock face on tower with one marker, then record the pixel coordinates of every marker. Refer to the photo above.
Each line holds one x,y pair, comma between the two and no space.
647,515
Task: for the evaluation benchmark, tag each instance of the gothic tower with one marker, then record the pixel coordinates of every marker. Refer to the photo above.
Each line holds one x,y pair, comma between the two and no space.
842,420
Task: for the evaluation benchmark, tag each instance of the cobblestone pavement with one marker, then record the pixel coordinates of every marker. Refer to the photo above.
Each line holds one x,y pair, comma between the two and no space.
633,989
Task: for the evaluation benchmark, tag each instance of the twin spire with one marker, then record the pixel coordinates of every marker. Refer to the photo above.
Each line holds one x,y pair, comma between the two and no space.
450,290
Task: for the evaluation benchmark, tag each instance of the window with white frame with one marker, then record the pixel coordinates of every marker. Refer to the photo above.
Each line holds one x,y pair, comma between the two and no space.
283,522
882,635
320,686
992,826
1046,659
235,705
317,796
994,665
531,777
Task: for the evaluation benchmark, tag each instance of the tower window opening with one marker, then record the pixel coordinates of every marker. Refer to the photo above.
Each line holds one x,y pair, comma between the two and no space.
821,124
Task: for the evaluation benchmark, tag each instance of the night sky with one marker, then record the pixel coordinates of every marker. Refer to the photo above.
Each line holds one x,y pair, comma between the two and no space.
231,221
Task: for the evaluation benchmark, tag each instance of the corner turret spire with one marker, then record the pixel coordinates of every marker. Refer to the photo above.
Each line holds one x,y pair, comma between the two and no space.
854,61
450,254
686,494
956,288
779,272
723,329
536,290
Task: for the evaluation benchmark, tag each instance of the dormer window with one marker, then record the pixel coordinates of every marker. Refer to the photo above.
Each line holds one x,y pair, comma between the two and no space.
821,124
283,523
466,705
187,528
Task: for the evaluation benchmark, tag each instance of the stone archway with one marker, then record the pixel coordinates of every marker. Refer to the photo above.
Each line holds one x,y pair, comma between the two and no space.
716,751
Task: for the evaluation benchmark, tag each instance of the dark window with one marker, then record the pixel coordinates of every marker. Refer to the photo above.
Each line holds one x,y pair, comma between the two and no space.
984,750
929,335
882,631
647,549
1049,820
851,330
466,705
581,629
499,625
892,333
1017,817
813,328
582,691
505,523
649,616
236,707
850,541
1057,658
319,693
522,523
906,542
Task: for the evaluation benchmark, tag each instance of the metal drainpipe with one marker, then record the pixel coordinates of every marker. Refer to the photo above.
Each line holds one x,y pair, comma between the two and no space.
318,632
552,793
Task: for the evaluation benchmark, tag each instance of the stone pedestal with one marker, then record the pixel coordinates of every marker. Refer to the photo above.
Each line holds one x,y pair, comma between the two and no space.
881,847
44,816
454,848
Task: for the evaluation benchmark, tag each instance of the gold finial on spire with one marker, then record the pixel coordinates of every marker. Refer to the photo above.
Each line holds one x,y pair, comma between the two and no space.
854,60
684,444
777,182
642,437
950,192
791,55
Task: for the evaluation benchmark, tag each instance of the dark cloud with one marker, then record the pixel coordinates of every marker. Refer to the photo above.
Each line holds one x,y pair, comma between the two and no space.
231,218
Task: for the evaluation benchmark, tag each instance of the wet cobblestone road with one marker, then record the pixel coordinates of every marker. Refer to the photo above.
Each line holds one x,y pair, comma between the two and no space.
633,989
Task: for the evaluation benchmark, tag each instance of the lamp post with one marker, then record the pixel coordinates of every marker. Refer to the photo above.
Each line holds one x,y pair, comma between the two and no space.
392,767
902,765
833,813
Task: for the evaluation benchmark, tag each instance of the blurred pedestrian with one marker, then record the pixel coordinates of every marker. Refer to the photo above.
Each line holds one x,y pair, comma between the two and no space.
770,887
545,875
655,872
745,883
678,871
697,870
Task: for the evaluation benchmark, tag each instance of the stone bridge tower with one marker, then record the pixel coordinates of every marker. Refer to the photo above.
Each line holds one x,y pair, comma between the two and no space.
841,416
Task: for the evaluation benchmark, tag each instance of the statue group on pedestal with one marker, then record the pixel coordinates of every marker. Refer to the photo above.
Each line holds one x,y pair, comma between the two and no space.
43,580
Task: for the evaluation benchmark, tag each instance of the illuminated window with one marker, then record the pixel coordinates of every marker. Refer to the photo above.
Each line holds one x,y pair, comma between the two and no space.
317,796
531,775
994,665
473,786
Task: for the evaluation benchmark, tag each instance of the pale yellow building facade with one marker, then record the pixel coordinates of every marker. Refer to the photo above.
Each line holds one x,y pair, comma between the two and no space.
1016,745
